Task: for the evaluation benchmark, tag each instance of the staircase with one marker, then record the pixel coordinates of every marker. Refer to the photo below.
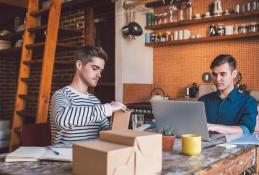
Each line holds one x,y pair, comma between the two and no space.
48,50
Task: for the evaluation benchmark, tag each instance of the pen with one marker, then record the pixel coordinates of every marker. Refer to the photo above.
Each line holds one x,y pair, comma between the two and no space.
55,152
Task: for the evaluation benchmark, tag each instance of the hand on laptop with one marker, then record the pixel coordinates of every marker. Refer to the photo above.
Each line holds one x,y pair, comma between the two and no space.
224,129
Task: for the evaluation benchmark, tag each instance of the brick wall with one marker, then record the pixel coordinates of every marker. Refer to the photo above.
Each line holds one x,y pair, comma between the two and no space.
175,67
8,76
62,74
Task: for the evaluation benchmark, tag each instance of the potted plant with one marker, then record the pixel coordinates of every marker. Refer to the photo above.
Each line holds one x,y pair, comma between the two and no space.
168,139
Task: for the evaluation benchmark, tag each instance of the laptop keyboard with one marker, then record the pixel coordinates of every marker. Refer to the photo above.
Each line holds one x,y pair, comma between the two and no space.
215,135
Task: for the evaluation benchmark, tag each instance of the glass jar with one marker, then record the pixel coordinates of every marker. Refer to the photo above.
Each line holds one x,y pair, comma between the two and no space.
235,29
153,37
156,19
212,30
163,37
242,28
253,27
168,36
159,37
221,30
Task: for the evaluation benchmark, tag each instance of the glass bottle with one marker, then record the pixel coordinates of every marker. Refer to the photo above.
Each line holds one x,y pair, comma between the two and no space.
160,21
180,14
188,11
165,20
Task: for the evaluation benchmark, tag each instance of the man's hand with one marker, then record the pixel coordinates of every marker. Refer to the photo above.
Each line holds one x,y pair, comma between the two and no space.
116,106
224,129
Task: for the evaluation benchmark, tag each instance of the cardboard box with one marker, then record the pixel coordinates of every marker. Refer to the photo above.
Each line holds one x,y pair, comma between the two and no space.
120,120
147,147
102,158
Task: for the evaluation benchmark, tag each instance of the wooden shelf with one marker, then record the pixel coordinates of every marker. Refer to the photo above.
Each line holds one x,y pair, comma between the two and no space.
12,36
13,51
60,46
203,20
207,39
39,61
16,51
66,5
28,98
63,32
137,3
29,114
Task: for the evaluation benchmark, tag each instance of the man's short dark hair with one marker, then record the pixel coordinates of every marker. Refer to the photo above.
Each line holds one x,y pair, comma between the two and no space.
86,53
224,58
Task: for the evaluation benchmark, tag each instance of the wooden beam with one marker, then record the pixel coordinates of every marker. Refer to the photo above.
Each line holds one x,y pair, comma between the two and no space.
24,72
90,29
48,61
17,3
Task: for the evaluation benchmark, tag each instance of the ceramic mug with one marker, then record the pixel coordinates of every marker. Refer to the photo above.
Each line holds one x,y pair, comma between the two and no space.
191,144
229,30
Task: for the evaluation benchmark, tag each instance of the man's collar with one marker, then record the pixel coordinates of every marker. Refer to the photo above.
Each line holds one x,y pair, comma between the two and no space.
232,95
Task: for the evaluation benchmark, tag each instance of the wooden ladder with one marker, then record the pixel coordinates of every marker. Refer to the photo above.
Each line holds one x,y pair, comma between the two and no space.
32,22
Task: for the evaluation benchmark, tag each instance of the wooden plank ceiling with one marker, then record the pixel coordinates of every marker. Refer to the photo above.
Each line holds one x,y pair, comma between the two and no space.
17,3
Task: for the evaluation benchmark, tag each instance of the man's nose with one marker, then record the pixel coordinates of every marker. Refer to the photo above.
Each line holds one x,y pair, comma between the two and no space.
99,74
218,78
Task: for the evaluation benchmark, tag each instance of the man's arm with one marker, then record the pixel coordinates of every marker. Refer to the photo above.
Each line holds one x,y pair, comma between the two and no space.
224,129
65,115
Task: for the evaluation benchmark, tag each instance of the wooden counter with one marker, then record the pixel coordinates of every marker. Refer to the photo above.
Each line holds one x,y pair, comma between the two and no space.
212,160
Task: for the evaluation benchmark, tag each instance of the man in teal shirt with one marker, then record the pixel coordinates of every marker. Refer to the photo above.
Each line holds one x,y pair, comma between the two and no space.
228,111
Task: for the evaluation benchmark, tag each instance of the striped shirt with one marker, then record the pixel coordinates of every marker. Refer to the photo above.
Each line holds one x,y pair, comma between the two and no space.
76,117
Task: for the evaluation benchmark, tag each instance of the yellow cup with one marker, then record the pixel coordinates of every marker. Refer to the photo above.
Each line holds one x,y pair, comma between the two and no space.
191,144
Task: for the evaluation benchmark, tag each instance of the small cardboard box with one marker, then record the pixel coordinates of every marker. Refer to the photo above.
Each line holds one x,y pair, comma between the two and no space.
120,120
102,158
147,147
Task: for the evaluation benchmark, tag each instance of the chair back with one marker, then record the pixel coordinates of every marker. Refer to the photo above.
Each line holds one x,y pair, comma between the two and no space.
36,134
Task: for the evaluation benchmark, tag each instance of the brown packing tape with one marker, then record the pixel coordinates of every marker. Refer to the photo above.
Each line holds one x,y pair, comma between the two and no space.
120,120
141,165
132,157
113,159
127,167
136,152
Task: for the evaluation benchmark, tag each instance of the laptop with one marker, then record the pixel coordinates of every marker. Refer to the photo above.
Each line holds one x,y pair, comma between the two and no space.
183,117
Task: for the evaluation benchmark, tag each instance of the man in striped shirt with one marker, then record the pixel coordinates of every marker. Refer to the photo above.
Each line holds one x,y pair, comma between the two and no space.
75,114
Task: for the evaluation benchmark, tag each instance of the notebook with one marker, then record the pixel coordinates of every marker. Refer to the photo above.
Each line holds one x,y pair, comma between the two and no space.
247,139
184,117
39,153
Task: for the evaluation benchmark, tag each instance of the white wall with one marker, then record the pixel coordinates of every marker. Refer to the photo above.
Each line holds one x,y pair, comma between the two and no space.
133,61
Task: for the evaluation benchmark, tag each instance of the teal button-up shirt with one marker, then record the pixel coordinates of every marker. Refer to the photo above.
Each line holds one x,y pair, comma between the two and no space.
238,109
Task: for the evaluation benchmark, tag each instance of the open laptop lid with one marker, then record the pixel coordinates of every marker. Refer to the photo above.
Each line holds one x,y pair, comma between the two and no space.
182,116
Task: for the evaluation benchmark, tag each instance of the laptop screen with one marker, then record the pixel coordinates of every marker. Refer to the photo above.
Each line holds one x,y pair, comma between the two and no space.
184,117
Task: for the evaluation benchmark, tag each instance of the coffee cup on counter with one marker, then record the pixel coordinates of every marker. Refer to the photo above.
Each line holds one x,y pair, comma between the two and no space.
191,144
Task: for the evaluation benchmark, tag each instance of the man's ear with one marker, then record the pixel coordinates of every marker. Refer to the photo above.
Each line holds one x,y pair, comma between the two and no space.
234,73
79,64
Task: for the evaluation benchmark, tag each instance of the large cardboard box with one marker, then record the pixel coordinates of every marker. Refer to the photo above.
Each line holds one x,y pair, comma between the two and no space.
147,147
102,158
